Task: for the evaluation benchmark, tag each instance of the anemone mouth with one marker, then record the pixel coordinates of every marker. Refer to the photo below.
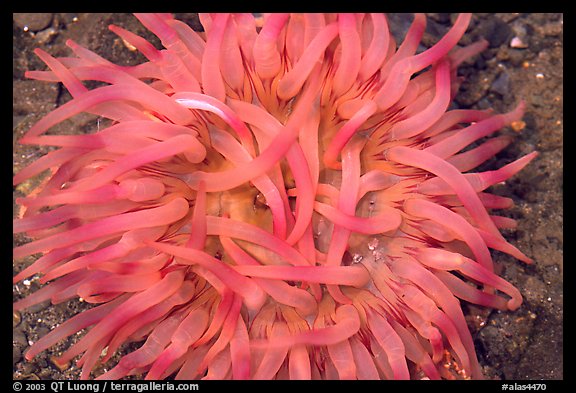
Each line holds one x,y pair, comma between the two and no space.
280,198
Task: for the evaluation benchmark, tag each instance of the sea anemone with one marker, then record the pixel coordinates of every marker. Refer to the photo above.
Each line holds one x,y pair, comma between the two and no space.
279,196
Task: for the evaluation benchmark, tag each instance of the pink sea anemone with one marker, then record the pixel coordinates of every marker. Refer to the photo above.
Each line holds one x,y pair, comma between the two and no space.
281,197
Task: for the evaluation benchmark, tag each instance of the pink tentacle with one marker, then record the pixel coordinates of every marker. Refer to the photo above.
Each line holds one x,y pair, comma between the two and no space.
453,144
355,276
198,235
279,290
219,367
464,291
141,44
189,369
120,111
65,213
186,334
50,292
478,181
461,227
176,46
245,25
446,43
207,103
453,117
400,73
218,353
240,351
305,201
226,301
51,160
221,181
460,55
45,262
299,363
117,284
293,80
148,97
415,352
378,48
343,359
456,180
155,313
314,23
231,66
391,343
72,84
416,124
347,324
470,159
253,296
344,134
127,310
347,200
296,160
294,38
366,369
267,61
212,82
175,72
239,230
412,270
423,305
149,218
388,221
502,245
350,59
408,46
274,357
225,144
73,325
158,151
194,45
446,260
351,170
148,352
139,190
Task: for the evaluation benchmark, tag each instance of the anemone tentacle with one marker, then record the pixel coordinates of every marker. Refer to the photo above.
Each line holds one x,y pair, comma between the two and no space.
280,196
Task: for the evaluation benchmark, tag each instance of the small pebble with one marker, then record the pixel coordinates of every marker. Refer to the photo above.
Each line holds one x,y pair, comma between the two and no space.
61,366
373,244
46,36
518,125
517,43
16,318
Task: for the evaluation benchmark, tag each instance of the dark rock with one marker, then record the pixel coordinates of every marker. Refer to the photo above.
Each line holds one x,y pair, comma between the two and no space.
495,31
16,354
19,338
32,21
501,84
